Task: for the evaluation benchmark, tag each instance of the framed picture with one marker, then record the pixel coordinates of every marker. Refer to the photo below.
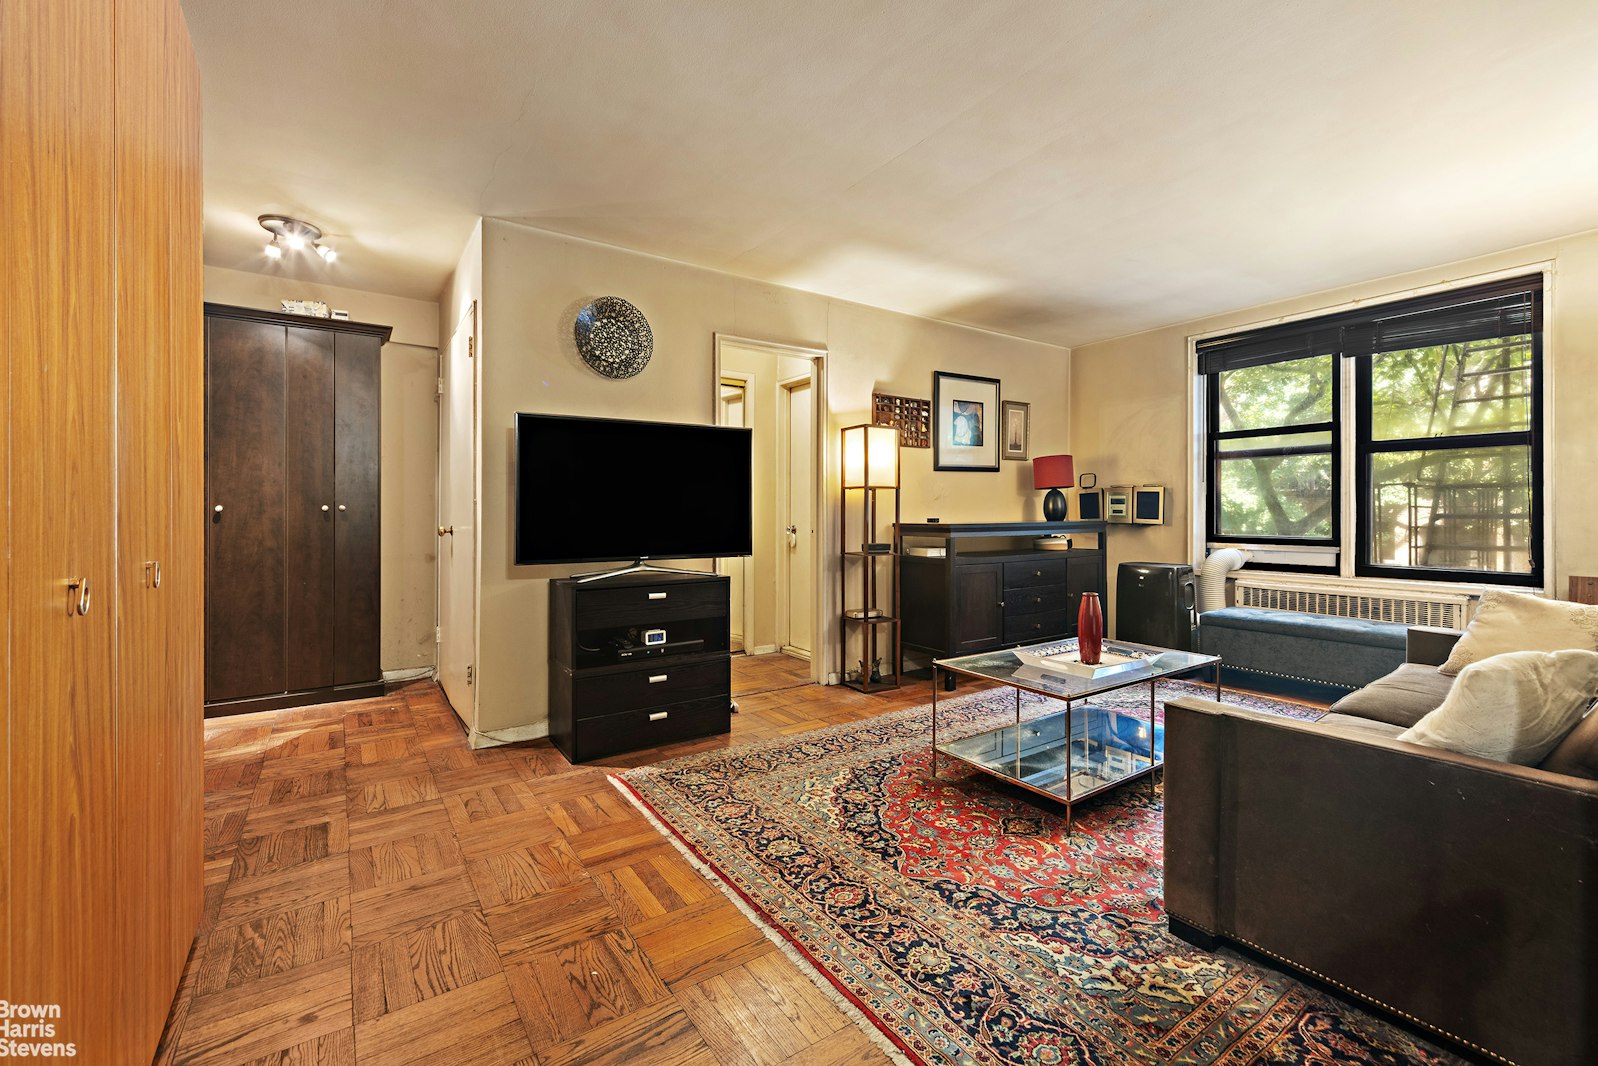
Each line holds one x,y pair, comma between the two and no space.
966,422
1017,423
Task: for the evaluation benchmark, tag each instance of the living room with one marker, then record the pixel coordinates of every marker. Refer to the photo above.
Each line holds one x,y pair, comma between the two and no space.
391,834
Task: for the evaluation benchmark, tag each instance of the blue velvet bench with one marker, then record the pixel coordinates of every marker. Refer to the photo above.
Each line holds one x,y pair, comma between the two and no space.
1258,647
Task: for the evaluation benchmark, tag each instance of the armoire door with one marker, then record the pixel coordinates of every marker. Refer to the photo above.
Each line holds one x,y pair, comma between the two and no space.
58,877
246,537
310,636
157,724
356,585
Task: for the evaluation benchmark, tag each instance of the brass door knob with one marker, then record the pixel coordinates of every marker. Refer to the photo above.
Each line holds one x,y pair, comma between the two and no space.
446,531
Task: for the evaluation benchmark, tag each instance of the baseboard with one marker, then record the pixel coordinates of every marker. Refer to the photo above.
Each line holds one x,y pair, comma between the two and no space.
513,735
277,701
414,673
762,649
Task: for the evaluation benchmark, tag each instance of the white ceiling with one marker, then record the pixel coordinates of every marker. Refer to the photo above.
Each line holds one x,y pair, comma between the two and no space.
1062,171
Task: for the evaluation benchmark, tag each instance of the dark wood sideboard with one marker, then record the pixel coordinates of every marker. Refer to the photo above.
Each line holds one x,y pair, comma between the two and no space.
992,588
610,690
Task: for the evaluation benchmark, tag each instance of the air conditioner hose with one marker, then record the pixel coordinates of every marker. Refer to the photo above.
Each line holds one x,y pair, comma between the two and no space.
1212,576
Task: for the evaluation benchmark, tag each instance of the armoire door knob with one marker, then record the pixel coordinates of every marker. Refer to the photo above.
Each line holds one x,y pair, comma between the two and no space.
81,587
324,507
152,574
341,507
217,508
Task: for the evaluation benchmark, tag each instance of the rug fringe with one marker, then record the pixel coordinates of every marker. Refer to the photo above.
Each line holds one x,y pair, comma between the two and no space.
850,1010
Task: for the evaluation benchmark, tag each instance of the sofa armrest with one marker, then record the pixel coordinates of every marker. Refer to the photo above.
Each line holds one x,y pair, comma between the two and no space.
1430,645
1453,889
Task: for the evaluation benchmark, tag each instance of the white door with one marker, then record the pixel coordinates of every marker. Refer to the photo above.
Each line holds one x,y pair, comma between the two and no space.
734,412
796,459
457,521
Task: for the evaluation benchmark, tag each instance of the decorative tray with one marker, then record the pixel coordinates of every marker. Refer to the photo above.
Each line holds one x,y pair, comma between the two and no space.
1065,659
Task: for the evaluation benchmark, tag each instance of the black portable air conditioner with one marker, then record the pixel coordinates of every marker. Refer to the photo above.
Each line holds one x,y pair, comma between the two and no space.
1156,603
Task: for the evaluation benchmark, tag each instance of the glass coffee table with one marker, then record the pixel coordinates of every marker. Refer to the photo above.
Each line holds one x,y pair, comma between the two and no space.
1081,749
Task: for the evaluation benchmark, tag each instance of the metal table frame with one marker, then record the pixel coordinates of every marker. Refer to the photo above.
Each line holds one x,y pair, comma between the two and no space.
1110,686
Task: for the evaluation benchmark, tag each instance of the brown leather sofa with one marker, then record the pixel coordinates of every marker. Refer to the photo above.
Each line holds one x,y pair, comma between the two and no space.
1457,893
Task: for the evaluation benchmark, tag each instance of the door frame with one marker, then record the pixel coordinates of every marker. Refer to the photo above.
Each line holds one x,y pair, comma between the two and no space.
747,382
824,624
468,323
784,487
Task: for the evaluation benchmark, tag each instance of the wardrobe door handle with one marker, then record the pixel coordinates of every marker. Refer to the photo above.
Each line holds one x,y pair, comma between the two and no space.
152,574
217,508
324,508
81,587
341,507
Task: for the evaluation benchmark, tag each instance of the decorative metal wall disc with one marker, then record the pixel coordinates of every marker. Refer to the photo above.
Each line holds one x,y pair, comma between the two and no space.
613,337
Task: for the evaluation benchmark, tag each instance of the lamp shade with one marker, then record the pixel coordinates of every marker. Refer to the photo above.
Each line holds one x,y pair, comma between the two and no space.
871,457
1053,472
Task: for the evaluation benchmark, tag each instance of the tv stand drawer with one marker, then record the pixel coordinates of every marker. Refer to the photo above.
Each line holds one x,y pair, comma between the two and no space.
598,607
661,681
646,727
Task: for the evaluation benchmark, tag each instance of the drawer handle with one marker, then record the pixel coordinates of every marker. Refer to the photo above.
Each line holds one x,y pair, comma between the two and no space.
655,679
658,715
657,595
1037,573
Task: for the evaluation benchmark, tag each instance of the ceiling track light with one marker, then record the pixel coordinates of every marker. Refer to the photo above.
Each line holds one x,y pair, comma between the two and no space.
297,235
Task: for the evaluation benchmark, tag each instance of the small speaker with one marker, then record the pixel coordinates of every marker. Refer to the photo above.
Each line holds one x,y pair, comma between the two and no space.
1148,505
1085,505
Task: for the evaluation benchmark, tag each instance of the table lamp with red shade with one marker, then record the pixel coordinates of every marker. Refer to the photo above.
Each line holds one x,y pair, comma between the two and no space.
1053,472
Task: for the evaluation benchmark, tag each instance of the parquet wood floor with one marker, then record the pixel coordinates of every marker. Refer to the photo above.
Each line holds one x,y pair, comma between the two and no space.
378,894
767,673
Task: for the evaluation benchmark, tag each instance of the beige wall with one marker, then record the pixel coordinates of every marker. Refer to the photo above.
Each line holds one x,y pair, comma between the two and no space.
533,284
409,445
1129,413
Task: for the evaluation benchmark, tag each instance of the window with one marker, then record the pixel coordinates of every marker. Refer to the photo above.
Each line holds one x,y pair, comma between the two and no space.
1442,420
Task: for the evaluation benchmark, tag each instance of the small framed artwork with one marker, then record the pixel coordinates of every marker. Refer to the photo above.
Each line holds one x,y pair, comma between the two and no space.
1017,422
966,422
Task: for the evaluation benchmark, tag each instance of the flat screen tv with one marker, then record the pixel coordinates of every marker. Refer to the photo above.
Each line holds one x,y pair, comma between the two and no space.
609,490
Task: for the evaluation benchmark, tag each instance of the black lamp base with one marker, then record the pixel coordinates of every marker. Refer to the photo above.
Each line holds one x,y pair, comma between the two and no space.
1054,506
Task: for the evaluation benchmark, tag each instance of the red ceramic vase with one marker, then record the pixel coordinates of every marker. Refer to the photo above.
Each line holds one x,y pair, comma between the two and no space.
1090,629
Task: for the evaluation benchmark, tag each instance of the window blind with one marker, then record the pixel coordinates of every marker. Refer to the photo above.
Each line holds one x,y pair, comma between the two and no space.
1497,309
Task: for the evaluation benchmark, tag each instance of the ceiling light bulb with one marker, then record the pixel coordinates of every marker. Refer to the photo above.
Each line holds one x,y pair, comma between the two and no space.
327,254
296,242
273,251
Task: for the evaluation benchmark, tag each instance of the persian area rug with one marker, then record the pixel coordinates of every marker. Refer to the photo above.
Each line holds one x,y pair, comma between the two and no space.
967,925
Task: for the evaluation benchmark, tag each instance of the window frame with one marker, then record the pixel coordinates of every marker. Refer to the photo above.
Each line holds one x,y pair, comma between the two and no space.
1366,448
1352,448
1214,457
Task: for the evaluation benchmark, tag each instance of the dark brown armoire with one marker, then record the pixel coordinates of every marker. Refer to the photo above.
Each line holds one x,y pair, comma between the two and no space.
293,519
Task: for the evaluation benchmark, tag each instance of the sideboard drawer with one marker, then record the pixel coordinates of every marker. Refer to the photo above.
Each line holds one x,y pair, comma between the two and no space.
1027,628
1035,600
661,681
1029,573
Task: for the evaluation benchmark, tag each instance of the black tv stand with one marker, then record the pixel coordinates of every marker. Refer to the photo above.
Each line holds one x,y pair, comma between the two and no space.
610,689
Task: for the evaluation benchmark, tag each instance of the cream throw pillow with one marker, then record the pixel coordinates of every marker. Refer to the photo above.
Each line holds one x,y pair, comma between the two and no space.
1514,621
1514,707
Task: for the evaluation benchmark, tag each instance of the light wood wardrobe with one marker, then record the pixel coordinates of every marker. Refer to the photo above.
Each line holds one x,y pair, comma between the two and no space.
102,461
